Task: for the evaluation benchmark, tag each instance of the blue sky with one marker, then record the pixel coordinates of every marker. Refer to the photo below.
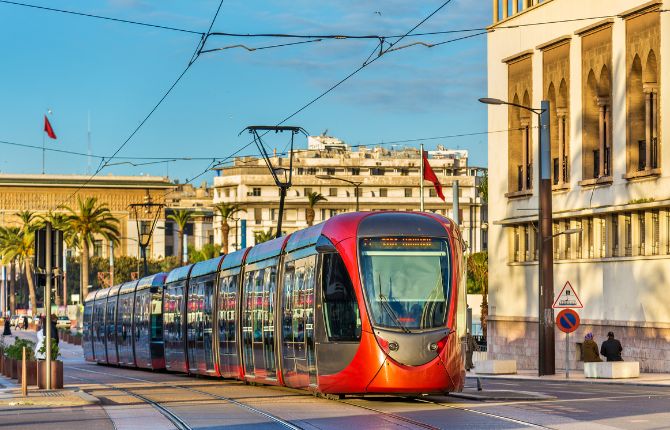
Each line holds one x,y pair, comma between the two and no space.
117,72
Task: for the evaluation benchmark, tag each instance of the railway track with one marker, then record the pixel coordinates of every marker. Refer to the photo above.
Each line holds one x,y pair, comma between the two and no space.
171,415
392,417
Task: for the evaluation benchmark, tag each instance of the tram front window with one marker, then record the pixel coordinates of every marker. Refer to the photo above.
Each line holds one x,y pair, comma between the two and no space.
406,281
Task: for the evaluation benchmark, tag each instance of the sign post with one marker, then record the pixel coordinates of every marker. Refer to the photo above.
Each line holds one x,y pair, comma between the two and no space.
567,321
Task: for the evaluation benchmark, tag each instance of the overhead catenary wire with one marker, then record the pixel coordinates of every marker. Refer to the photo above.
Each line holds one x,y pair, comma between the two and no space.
101,17
194,57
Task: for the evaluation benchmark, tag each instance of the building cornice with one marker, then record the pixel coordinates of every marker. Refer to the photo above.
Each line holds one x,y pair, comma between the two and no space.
607,323
593,28
555,43
568,213
651,6
516,15
53,181
517,57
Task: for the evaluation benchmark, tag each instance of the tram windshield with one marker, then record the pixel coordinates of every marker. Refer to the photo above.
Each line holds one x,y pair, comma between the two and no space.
406,281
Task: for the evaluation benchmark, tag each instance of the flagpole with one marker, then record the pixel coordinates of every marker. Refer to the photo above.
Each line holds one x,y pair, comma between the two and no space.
43,152
421,182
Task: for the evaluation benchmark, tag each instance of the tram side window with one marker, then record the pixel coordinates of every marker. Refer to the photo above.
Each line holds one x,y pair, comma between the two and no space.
343,319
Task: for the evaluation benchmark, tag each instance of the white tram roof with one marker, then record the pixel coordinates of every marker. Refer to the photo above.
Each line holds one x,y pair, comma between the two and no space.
265,250
206,267
178,274
304,238
127,287
114,291
102,293
234,259
156,280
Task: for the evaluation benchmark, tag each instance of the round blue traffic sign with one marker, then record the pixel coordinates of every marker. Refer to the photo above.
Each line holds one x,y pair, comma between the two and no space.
567,320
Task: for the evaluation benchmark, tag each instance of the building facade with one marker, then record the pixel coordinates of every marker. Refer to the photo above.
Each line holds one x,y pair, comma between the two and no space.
599,64
384,179
199,230
43,193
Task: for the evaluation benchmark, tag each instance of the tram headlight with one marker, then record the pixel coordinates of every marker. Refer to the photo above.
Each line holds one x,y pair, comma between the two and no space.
393,346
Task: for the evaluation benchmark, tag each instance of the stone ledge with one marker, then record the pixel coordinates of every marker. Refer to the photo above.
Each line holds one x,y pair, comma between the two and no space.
495,367
612,370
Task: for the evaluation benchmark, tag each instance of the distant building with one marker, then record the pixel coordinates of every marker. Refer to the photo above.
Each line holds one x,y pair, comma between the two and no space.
199,230
42,193
609,170
388,180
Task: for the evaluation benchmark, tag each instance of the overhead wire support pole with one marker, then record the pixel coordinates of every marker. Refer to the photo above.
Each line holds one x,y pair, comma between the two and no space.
284,183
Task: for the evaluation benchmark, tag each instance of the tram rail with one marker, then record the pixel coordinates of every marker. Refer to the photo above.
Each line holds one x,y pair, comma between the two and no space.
171,415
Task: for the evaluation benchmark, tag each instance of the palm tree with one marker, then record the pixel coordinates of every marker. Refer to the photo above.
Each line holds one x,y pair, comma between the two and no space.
59,222
5,239
263,236
312,199
181,217
89,219
19,245
227,210
478,266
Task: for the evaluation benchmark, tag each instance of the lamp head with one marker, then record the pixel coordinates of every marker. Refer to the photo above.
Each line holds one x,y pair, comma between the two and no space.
491,101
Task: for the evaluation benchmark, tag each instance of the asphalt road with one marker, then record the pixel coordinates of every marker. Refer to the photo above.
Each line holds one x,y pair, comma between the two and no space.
133,399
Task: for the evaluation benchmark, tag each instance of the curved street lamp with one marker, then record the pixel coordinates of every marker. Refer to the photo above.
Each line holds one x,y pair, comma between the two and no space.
335,178
546,347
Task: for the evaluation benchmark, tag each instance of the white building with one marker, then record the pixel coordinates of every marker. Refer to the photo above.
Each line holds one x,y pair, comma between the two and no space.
599,63
388,180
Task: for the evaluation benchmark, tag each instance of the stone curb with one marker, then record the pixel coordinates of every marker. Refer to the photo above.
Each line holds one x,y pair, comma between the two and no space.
593,381
498,395
87,397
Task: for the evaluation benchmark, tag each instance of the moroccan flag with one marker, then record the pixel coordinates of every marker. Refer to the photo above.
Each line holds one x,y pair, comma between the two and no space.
429,175
48,129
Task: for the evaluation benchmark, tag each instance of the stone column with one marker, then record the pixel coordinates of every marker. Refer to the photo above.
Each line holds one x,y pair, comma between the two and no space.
647,129
602,123
515,6
505,14
524,153
496,11
562,164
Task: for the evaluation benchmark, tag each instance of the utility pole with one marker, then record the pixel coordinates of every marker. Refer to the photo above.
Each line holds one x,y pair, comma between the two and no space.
111,263
547,349
456,204
47,305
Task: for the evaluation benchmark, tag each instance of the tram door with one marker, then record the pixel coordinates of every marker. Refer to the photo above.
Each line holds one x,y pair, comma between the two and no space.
299,363
200,351
258,322
228,364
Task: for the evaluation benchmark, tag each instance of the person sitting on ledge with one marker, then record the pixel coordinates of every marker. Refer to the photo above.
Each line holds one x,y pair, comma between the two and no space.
611,348
590,350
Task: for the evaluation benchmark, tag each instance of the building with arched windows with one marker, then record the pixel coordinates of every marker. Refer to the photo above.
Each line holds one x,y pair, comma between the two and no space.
600,65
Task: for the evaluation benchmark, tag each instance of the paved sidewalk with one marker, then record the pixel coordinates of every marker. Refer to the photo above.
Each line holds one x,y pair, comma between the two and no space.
577,376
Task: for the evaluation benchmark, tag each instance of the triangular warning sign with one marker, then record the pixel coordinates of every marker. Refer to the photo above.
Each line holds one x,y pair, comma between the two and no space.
567,298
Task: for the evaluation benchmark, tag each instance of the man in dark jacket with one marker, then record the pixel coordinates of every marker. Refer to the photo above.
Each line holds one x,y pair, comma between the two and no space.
611,348
54,329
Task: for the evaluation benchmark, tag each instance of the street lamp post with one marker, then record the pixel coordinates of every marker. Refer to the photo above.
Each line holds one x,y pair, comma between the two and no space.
355,184
546,350
151,211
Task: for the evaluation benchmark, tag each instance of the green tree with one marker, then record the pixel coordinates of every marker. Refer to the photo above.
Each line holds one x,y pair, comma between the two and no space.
181,217
478,277
7,236
483,188
89,219
263,236
312,199
18,244
207,252
227,212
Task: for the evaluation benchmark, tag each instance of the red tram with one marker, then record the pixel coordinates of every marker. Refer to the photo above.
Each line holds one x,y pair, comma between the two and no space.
361,303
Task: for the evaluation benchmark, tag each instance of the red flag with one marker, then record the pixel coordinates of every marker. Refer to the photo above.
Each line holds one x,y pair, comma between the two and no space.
48,129
429,175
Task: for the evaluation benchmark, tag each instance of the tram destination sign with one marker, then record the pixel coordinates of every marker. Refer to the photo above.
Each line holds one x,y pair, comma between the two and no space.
567,298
